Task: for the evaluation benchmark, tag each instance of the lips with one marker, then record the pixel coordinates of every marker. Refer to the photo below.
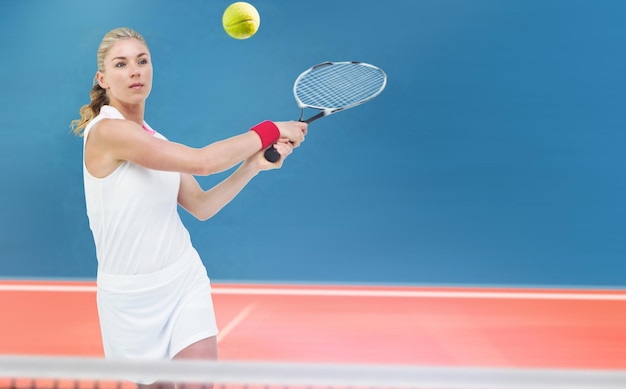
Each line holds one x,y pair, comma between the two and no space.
136,86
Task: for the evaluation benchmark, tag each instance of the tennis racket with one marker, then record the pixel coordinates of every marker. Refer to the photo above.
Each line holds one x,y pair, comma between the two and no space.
331,87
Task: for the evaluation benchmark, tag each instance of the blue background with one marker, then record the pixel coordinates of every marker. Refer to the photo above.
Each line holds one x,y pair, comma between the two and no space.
494,156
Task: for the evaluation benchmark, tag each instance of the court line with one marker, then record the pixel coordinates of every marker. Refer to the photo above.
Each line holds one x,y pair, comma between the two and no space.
46,288
361,292
235,322
423,294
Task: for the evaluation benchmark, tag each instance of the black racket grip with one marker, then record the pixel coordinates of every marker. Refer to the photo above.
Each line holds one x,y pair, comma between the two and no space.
272,155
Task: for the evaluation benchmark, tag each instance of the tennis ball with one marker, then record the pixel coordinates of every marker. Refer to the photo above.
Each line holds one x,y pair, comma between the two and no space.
241,20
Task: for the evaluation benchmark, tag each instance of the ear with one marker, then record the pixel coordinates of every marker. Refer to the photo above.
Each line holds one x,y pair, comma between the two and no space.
100,79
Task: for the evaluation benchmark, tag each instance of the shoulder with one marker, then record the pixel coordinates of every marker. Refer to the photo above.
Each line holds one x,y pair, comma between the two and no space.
106,113
110,119
116,132
112,126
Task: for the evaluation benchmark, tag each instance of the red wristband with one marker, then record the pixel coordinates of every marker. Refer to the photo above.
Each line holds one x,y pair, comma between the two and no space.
268,132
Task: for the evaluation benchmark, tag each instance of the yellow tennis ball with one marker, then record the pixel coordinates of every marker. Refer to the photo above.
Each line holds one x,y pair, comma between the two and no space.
241,20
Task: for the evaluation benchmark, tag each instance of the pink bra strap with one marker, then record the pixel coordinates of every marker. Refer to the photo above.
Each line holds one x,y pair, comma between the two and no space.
148,130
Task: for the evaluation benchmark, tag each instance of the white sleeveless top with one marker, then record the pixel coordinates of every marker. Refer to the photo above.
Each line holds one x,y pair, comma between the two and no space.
133,214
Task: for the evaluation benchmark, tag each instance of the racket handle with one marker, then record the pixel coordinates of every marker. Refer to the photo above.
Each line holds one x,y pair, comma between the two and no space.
272,155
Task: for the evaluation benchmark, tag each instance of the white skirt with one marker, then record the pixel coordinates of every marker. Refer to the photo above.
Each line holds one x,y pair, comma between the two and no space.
156,315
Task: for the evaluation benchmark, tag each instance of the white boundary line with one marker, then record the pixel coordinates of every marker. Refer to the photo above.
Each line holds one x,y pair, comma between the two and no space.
361,292
46,288
423,294
235,322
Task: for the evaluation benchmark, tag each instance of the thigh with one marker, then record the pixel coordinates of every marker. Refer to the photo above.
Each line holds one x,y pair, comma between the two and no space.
202,349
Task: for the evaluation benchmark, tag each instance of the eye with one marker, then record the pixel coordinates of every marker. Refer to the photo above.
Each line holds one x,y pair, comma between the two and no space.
120,64
143,62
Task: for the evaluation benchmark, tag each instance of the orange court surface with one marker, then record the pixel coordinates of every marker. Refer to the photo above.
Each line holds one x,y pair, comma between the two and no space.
431,326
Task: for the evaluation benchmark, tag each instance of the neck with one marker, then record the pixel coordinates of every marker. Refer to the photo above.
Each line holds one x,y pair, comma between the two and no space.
132,112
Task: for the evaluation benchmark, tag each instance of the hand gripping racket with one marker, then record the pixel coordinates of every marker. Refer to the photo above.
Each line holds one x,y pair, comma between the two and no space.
332,87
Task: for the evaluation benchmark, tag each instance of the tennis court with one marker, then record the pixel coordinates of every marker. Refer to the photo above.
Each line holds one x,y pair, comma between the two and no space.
527,328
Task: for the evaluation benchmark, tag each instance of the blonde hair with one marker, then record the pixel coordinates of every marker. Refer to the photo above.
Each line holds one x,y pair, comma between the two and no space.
97,94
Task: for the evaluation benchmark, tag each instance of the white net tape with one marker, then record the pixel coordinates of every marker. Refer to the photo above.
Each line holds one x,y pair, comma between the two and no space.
309,375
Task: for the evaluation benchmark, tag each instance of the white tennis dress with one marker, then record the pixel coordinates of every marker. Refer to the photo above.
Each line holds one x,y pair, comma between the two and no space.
154,295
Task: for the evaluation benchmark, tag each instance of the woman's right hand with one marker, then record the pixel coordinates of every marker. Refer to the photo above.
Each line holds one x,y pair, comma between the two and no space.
293,131
258,162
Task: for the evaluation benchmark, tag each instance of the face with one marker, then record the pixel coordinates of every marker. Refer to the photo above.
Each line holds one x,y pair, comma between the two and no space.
127,75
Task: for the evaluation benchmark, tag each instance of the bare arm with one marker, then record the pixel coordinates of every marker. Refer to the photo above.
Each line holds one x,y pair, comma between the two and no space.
205,204
113,141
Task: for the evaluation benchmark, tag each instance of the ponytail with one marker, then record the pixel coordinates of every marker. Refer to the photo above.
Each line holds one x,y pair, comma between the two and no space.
89,111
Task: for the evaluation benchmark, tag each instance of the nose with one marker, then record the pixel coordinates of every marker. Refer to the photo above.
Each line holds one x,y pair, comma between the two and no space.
134,70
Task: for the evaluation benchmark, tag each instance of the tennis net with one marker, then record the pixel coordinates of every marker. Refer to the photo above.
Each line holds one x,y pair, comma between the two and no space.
93,373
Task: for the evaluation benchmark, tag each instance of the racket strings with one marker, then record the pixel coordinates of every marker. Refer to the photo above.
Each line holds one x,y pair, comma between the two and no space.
339,85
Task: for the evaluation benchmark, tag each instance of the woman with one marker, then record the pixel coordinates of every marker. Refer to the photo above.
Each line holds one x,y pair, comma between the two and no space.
154,296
